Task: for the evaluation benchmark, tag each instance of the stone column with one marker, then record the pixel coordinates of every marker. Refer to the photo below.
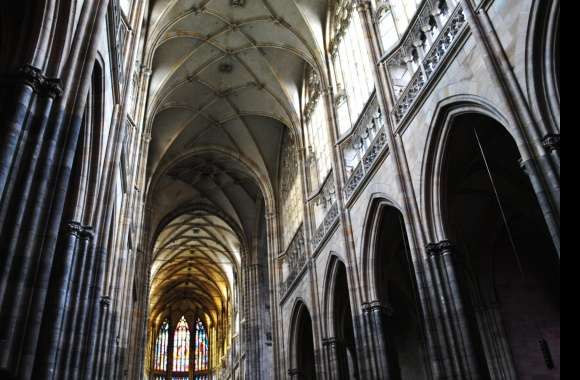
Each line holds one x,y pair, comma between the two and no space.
446,264
39,230
438,354
332,357
58,306
374,313
70,337
103,333
26,84
252,326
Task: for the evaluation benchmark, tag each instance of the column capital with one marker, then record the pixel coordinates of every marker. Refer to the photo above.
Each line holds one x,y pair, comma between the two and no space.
31,76
327,342
105,301
442,248
294,373
378,307
146,71
88,233
74,228
551,142
52,88
363,5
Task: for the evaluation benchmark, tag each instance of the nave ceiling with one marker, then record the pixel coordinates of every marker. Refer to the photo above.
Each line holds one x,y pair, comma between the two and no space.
224,90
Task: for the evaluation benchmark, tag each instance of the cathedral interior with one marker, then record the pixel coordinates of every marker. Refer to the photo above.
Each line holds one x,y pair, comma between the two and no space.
280,189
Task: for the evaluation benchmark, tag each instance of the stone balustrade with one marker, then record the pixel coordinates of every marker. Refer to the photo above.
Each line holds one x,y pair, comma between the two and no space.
294,261
418,57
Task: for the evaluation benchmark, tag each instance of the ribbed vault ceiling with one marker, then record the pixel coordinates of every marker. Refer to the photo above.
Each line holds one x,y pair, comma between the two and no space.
197,257
224,91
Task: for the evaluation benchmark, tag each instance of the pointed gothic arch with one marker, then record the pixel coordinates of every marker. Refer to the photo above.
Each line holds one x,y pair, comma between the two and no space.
482,203
397,340
302,347
340,327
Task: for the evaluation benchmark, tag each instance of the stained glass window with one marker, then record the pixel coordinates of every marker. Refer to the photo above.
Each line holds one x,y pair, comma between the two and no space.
161,348
201,349
181,347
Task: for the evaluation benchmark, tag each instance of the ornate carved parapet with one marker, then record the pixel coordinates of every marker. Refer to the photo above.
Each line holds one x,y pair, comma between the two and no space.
424,56
324,229
295,259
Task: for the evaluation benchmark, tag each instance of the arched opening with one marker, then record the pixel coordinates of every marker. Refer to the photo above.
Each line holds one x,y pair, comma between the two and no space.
396,291
303,347
491,213
194,307
344,327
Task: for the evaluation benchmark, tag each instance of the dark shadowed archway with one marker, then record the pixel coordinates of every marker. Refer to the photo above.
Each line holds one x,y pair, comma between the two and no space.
511,267
396,290
342,323
303,356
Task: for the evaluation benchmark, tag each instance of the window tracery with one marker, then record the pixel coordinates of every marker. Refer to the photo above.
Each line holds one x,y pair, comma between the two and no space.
317,137
189,355
290,189
353,72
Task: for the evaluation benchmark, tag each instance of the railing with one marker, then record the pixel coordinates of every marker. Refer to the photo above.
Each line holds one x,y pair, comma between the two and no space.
326,226
377,147
362,148
325,211
363,134
294,261
416,60
419,56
